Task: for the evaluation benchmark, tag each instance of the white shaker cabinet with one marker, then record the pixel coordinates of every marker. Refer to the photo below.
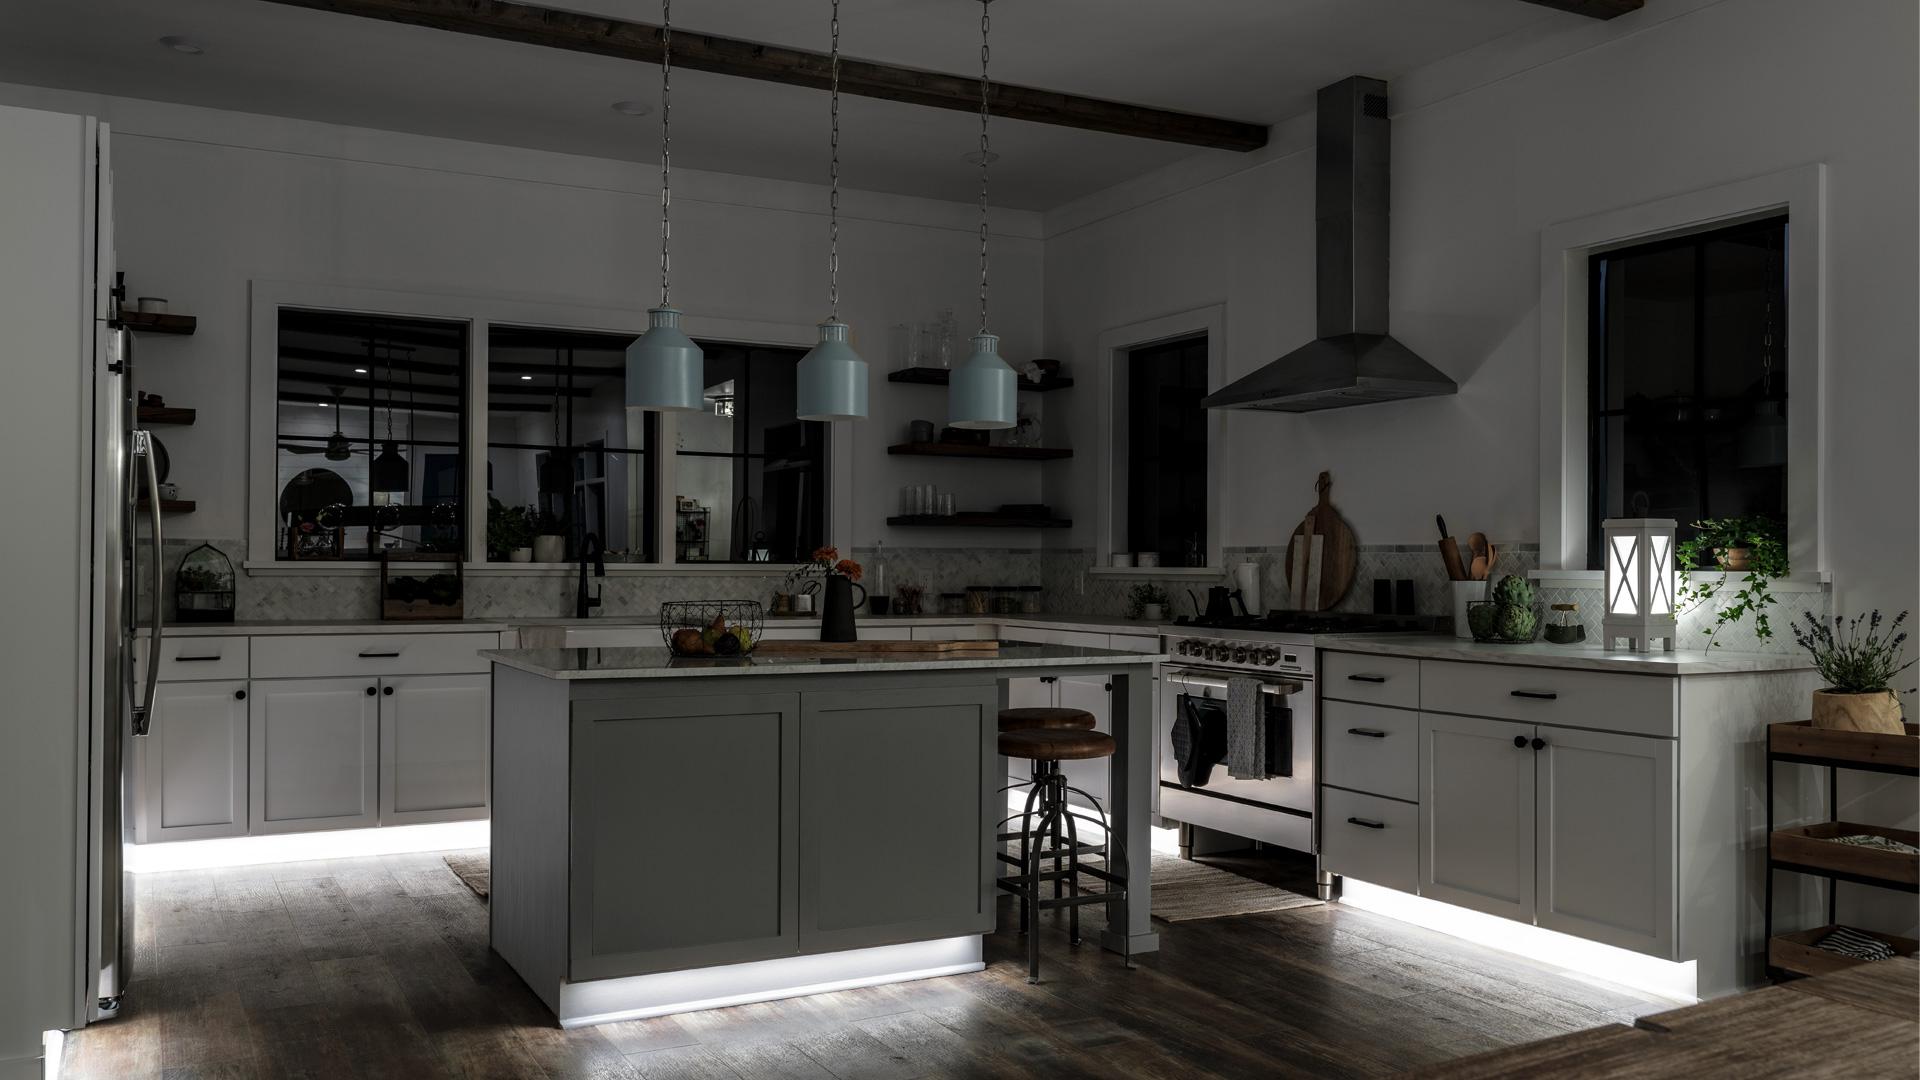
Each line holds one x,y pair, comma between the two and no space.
1477,814
314,753
434,743
1605,838
193,763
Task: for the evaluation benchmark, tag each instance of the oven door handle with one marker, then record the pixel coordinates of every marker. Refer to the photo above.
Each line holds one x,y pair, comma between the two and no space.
1181,679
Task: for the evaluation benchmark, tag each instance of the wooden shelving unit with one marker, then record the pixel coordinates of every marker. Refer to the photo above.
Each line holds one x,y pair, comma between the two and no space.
167,414
151,323
976,520
170,506
969,450
1810,849
933,376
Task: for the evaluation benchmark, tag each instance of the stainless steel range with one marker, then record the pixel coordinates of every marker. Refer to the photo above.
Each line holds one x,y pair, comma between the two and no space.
1276,650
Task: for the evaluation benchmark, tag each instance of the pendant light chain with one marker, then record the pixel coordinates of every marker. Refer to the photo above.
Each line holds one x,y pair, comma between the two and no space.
833,196
666,150
985,26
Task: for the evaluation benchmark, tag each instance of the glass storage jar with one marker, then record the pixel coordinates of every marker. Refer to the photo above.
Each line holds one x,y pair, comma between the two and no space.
979,600
953,603
1030,596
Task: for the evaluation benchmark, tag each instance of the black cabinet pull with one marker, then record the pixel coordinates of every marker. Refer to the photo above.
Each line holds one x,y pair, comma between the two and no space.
1367,678
1539,743
239,695
1371,733
387,690
1519,742
372,690
378,655
195,659
1049,678
1537,695
1364,823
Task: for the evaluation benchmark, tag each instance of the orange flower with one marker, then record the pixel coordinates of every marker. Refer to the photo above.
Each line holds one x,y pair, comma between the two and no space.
826,555
848,567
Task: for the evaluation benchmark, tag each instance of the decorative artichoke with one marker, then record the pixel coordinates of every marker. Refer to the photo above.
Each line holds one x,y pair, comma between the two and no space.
1515,623
1482,620
1513,591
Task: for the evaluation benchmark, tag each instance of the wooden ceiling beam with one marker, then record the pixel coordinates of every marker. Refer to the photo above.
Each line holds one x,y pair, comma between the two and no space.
1593,9
505,20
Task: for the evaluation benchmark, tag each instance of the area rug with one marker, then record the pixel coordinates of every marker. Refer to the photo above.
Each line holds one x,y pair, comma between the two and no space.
474,870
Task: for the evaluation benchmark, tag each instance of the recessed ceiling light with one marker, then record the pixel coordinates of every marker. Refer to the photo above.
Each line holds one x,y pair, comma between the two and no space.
359,371
526,378
321,405
974,157
183,45
631,108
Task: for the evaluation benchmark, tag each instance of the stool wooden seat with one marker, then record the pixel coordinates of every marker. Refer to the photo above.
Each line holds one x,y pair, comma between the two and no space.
1046,719
1050,745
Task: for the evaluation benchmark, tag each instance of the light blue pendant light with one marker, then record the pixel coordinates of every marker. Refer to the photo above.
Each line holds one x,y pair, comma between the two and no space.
666,372
980,393
832,377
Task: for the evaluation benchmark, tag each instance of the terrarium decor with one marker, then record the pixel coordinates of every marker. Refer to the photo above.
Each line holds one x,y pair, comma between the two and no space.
1639,593
203,587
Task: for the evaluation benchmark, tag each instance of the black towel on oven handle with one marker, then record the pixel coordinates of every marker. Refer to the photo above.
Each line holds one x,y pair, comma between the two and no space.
1199,743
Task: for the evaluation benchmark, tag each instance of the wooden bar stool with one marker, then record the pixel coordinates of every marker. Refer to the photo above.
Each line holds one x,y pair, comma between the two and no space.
1045,719
1055,836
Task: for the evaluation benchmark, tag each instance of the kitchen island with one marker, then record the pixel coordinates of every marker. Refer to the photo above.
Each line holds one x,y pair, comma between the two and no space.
672,835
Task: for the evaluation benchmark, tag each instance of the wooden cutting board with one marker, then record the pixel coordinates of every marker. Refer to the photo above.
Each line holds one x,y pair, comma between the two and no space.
1321,556
846,648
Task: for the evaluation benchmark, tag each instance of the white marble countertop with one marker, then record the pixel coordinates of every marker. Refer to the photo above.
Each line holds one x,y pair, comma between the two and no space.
594,663
1546,654
338,626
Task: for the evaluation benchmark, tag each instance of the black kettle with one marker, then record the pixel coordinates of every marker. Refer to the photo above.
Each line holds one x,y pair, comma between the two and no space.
1220,603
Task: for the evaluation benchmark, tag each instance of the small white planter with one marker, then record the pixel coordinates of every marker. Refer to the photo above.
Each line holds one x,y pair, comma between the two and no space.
523,554
1152,613
550,548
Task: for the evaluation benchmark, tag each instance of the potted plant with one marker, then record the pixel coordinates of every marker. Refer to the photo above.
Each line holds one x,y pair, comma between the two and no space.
549,539
1858,670
509,531
838,578
1752,554
1147,601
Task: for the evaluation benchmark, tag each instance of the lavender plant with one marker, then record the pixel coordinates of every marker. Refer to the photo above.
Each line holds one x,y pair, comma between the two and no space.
1852,662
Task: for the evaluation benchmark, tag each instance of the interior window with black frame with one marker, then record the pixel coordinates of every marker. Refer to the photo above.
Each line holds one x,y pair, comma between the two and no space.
1688,372
1166,452
566,459
370,431
752,477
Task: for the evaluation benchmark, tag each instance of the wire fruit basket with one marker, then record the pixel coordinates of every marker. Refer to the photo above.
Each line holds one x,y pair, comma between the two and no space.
711,628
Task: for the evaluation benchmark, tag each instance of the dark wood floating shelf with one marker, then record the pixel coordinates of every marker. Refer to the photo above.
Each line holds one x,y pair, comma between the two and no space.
167,414
170,506
938,376
970,450
155,323
977,520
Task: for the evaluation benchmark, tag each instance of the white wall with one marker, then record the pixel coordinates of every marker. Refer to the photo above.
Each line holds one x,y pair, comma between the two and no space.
1488,149
210,200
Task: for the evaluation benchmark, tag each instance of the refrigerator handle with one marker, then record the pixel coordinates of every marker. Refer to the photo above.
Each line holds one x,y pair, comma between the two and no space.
143,713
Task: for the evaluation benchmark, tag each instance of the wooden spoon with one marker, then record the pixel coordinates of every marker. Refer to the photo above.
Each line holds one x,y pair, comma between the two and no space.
1482,562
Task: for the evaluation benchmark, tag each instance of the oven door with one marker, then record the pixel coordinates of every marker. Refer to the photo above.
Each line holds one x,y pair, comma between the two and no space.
1201,695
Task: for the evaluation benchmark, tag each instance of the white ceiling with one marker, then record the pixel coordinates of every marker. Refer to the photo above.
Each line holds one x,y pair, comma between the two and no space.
1254,60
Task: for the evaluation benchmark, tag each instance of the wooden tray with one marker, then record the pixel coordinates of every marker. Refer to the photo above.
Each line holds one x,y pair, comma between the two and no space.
849,648
1812,847
1796,953
1847,749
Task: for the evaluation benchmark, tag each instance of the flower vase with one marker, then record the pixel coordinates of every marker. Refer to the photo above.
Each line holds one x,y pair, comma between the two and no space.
836,608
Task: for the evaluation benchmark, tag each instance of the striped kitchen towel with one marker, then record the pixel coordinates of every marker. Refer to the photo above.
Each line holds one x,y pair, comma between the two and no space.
1849,942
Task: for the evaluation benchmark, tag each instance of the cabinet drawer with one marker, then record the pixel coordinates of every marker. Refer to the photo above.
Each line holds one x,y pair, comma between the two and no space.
1370,838
1373,680
321,655
1133,643
1371,749
1597,700
195,659
957,632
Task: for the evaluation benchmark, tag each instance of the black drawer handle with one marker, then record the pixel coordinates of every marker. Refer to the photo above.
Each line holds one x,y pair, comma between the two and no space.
1539,744
1367,678
387,690
195,659
378,655
239,695
1537,695
1519,742
1364,823
1371,733
372,690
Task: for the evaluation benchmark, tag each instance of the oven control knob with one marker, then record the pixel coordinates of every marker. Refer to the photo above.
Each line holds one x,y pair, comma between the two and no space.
1239,656
1269,657
1214,652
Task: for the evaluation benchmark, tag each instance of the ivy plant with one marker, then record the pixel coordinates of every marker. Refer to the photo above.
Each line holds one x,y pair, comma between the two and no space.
1740,592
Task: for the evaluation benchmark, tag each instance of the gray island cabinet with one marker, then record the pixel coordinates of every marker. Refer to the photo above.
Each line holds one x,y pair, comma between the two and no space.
674,835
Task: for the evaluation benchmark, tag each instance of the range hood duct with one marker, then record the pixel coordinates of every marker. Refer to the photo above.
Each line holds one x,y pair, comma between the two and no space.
1353,361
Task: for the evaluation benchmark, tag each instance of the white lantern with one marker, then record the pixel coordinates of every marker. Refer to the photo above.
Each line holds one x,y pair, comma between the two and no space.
1640,582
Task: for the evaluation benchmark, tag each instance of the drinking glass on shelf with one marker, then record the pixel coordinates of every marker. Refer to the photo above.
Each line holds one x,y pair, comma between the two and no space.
944,337
946,504
904,344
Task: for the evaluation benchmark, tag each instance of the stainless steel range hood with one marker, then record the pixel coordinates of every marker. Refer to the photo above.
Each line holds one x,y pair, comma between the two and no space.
1353,361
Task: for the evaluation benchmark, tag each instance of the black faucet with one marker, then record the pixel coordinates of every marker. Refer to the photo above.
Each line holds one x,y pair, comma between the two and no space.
590,549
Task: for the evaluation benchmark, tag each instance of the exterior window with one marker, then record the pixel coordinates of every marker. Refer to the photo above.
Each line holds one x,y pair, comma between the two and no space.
370,430
566,459
752,478
1688,378
1166,452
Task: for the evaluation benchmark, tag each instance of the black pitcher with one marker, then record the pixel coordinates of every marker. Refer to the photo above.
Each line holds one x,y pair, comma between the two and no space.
836,608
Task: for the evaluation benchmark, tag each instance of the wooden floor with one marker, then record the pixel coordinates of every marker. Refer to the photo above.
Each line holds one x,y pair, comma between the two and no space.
379,967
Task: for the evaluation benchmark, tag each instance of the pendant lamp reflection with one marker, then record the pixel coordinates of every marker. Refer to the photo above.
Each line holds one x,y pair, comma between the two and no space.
833,378
980,393
665,369
388,472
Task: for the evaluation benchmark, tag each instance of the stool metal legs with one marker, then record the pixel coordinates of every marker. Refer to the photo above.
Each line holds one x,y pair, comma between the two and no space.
1054,838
